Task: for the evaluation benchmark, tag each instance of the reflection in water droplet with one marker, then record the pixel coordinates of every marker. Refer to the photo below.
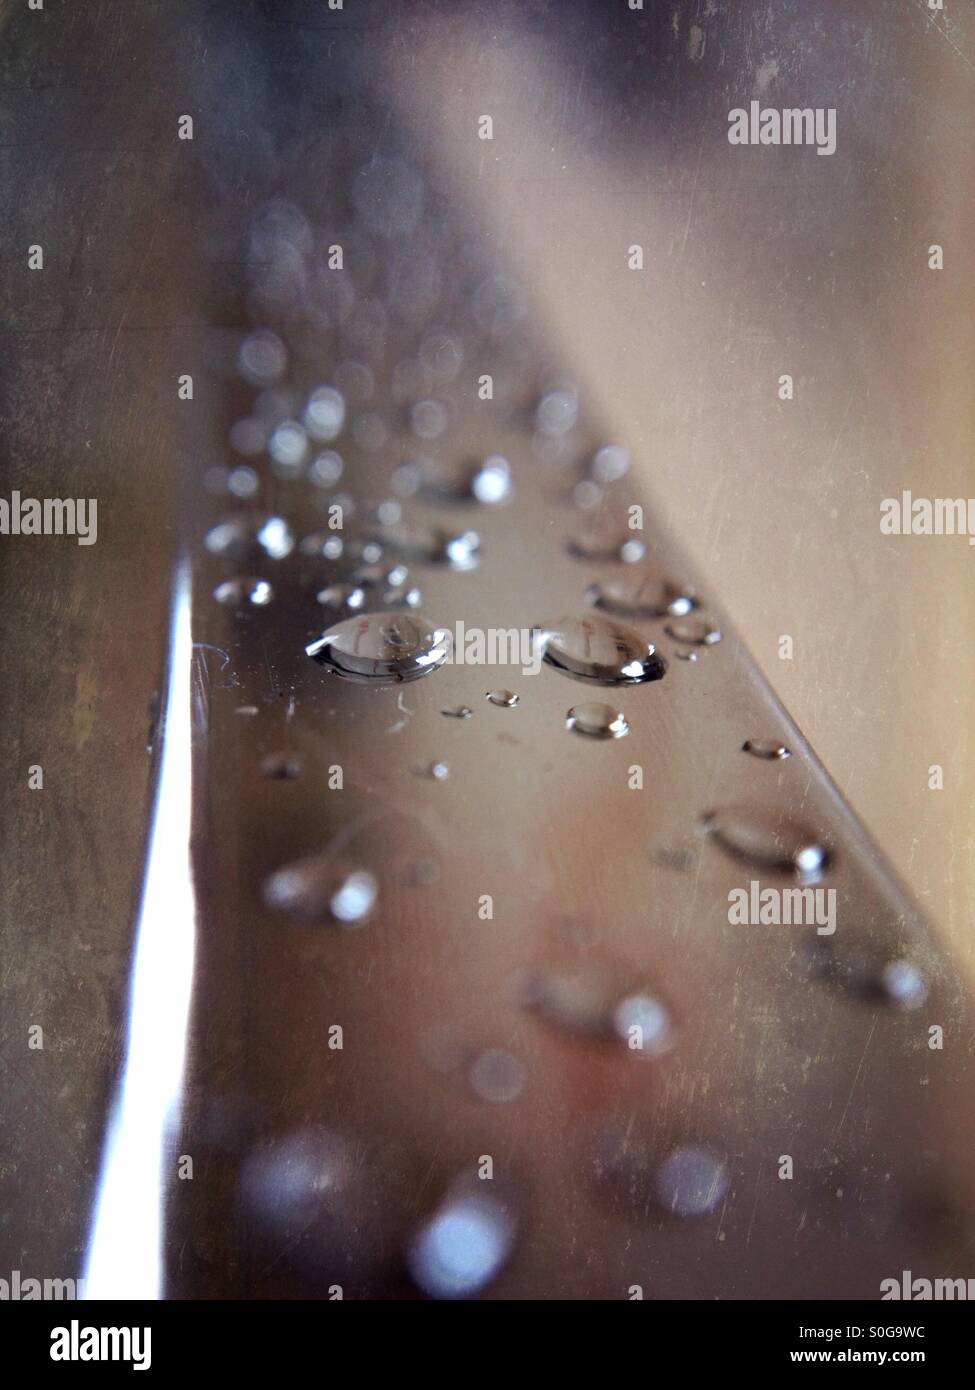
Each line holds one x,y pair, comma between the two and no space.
597,720
643,596
243,591
691,1182
769,748
768,841
458,712
285,766
498,1077
695,632
381,648
462,1247
601,652
505,699
313,889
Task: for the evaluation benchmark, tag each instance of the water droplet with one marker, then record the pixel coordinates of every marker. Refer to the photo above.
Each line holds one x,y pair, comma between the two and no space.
289,1184
609,463
597,721
607,543
498,1077
691,1182
505,699
462,1247
381,648
325,414
324,543
768,841
342,598
287,447
284,766
428,419
694,632
437,770
313,889
903,984
601,652
687,656
769,748
243,481
491,483
263,357
325,469
579,1001
241,535
458,712
643,596
643,1023
459,550
243,591
557,412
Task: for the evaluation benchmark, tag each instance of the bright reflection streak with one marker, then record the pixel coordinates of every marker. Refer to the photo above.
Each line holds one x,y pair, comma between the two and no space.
124,1258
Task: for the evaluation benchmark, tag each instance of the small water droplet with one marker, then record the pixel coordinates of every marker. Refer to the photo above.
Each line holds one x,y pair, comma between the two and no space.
556,413
462,1246
607,542
325,414
239,536
324,543
769,748
694,632
903,983
342,598
437,770
691,1182
643,596
505,699
458,712
491,484
381,648
643,1023
314,889
609,463
601,652
687,656
765,840
284,766
597,721
458,550
243,591
498,1077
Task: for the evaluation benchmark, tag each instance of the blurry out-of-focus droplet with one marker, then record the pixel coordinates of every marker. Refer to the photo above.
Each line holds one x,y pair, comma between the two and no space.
243,592
314,889
691,1182
462,1246
498,1076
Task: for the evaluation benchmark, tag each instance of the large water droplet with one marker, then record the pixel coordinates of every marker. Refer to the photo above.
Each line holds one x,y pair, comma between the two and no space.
243,592
381,648
601,652
504,699
597,721
643,596
767,841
